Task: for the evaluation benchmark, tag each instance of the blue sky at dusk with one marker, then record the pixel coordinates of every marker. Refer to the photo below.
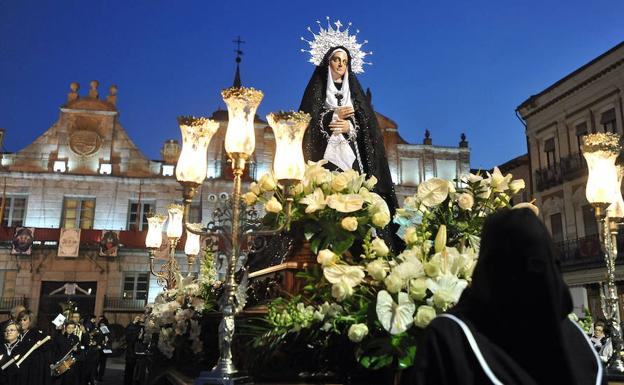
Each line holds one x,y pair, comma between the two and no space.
451,67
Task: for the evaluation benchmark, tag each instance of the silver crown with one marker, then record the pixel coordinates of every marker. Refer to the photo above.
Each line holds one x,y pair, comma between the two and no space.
333,37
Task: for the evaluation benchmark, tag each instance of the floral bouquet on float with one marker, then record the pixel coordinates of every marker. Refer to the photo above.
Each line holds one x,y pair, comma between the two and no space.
376,303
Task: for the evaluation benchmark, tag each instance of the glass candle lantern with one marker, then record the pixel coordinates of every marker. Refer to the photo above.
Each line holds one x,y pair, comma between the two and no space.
193,161
600,151
155,224
288,128
242,104
174,222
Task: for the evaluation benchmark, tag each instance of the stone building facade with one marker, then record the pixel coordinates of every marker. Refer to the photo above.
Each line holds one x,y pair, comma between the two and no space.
85,172
587,100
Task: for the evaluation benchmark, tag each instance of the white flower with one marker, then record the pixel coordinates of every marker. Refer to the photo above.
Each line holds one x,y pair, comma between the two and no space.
315,201
341,291
345,203
339,182
498,182
395,318
351,275
472,178
465,201
412,268
393,282
316,173
418,288
370,182
349,223
267,182
326,257
410,235
381,219
440,239
446,290
379,247
254,188
377,269
526,205
424,315
250,198
357,332
516,185
432,192
273,206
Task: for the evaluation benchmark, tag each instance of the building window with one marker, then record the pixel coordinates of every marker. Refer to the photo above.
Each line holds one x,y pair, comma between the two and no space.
410,171
135,285
137,215
14,211
556,227
549,149
607,120
446,169
581,130
78,213
589,221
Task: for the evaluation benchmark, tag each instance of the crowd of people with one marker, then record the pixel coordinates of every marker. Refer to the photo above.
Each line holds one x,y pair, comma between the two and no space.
75,353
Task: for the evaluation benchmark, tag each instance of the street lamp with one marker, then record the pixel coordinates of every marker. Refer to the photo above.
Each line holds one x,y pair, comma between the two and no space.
603,190
240,142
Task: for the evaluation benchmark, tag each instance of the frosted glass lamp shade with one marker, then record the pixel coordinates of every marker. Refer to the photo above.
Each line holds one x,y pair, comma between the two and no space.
193,161
600,151
192,245
242,104
288,128
155,224
174,222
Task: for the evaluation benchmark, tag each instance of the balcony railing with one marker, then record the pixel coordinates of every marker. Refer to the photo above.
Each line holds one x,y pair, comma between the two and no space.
583,253
123,304
8,303
568,168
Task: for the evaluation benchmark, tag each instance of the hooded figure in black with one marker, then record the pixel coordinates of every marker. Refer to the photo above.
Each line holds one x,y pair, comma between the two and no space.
344,129
517,312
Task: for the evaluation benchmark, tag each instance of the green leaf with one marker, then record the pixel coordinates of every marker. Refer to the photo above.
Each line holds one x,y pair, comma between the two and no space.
408,359
314,245
340,246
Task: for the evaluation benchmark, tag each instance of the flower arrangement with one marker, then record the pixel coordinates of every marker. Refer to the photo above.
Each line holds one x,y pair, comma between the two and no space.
176,314
331,209
379,301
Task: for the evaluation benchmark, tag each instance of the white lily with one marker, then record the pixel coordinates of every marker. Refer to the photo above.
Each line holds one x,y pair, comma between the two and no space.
395,318
446,290
341,273
315,201
345,203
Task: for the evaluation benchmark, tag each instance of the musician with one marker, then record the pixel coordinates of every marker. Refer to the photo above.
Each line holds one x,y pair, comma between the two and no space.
65,343
10,350
36,366
104,344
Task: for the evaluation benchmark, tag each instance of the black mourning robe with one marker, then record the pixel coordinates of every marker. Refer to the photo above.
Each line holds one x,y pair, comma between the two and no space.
12,375
517,310
369,140
36,366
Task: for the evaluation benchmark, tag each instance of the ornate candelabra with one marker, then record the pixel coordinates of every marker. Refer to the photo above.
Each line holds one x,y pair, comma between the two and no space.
167,277
603,192
288,168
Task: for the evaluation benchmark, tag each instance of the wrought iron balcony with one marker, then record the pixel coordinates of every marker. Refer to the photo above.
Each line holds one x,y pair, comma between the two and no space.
573,166
123,304
548,177
585,253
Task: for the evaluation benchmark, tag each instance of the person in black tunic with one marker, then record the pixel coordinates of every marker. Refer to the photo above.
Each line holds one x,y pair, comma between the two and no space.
36,366
64,342
517,292
11,349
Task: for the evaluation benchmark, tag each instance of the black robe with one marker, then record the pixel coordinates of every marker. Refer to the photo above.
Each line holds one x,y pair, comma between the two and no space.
369,142
12,375
64,343
36,366
517,310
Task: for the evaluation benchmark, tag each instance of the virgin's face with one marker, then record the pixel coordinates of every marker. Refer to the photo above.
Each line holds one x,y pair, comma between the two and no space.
338,64
11,333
